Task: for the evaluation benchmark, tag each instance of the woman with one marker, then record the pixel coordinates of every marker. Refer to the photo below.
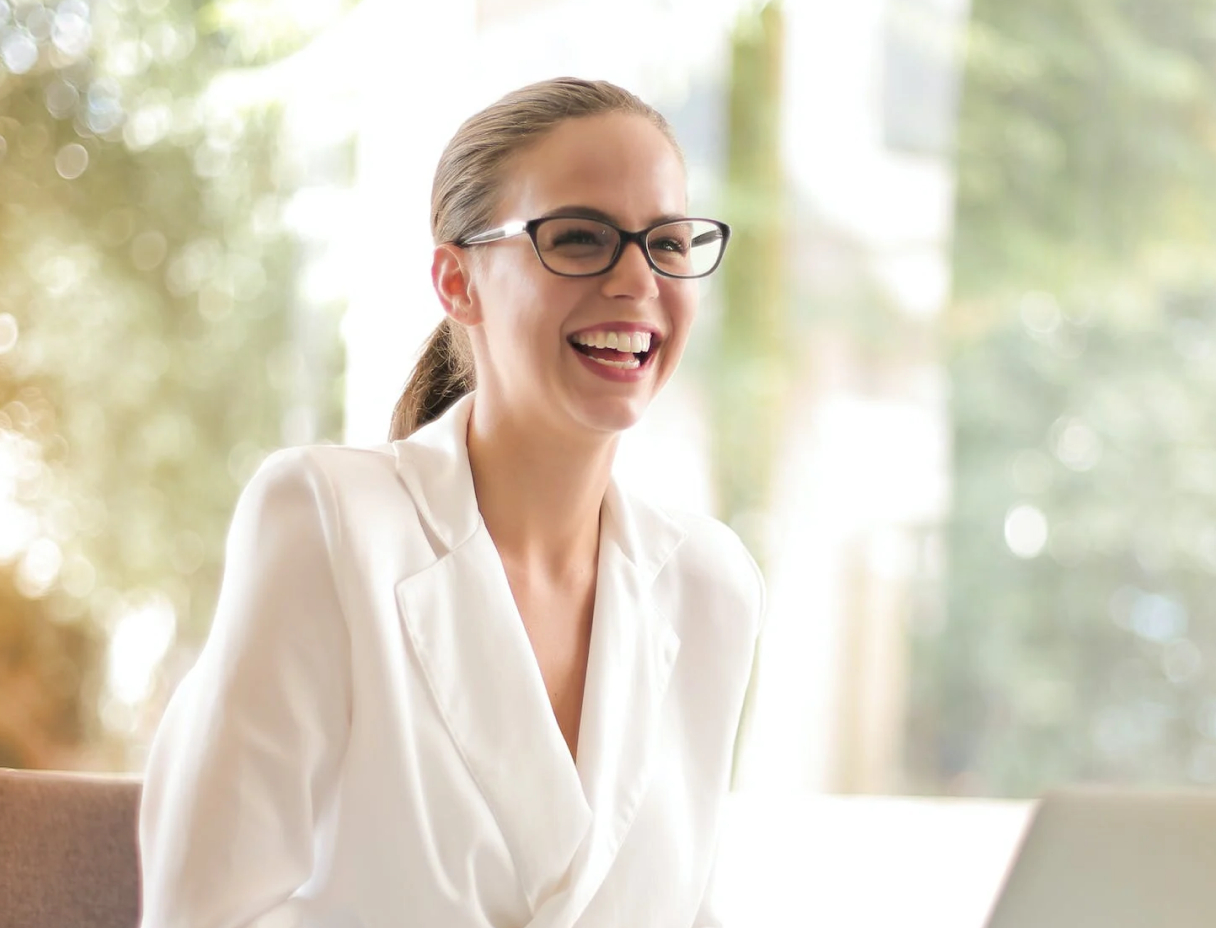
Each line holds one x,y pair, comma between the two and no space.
462,679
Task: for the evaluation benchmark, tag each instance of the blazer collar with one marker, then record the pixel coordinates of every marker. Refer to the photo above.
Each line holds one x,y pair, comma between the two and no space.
433,463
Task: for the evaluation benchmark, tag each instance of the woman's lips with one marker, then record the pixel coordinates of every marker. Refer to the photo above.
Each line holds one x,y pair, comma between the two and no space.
615,365
619,351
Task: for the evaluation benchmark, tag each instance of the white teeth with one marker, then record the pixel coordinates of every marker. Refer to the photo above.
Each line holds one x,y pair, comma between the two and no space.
628,365
635,342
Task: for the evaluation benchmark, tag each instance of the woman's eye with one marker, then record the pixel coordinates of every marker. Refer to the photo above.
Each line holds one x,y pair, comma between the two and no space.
576,237
673,245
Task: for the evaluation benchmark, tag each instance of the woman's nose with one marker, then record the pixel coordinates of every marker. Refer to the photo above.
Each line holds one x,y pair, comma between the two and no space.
632,275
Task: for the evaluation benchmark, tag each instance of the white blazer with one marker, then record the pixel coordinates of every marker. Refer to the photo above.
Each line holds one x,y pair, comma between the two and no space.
366,740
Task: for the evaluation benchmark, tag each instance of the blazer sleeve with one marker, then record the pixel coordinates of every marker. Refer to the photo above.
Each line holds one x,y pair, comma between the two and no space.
707,915
246,757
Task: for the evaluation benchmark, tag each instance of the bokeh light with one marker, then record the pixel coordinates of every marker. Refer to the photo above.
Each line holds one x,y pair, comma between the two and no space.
1026,531
141,637
9,331
71,161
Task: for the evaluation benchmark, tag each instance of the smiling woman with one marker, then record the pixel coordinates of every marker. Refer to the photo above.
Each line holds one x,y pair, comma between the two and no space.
463,678
573,146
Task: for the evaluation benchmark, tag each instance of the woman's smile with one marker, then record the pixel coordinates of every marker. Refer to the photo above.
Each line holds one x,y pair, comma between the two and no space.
622,352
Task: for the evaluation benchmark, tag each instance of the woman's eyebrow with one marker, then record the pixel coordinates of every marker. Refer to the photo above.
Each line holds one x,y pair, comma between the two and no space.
590,212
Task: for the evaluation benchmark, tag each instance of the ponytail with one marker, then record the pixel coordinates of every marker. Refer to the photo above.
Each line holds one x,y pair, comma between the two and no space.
443,375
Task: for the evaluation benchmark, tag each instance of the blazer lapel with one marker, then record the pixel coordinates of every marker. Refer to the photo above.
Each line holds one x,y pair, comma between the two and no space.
633,651
479,665
461,620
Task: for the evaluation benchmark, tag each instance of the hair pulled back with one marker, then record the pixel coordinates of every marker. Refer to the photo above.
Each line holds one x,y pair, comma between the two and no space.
464,198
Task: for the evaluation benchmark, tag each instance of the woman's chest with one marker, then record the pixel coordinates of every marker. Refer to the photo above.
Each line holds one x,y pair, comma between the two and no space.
417,834
558,625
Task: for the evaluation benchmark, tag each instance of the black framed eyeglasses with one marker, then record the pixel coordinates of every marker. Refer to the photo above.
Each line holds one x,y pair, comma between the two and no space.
576,246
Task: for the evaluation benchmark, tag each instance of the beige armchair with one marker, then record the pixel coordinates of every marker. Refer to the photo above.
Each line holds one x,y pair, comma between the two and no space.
69,855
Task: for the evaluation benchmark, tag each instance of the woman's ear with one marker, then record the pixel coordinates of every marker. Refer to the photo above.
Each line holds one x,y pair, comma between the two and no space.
451,274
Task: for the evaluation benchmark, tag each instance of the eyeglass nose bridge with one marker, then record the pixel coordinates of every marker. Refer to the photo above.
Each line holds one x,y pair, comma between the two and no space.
637,238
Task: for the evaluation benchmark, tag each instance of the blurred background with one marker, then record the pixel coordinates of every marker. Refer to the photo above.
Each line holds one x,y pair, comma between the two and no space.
955,384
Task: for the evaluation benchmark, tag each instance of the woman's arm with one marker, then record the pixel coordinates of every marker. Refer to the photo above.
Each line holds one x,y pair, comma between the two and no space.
248,753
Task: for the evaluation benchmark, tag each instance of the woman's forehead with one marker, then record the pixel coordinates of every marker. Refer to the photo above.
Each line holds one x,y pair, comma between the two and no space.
621,165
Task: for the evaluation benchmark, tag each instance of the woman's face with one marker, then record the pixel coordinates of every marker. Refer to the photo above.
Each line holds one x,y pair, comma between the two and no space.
533,332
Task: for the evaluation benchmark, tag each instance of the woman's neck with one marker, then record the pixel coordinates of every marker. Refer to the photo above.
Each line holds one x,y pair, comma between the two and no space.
539,492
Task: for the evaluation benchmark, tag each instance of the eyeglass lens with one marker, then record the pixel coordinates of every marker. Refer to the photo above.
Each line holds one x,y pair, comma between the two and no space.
685,248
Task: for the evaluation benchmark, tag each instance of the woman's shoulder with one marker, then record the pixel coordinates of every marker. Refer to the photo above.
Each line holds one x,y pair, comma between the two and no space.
337,479
714,562
339,466
336,459
713,541
356,499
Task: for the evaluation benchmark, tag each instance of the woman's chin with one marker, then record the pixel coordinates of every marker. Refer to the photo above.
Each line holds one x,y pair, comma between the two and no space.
611,414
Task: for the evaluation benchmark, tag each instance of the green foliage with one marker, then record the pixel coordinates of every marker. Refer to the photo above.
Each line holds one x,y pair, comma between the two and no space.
1081,346
750,350
144,262
1086,139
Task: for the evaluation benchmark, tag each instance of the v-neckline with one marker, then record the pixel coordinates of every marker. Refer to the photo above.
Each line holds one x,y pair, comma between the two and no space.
537,674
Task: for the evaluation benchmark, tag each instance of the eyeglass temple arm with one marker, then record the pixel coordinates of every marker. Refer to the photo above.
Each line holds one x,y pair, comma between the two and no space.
495,235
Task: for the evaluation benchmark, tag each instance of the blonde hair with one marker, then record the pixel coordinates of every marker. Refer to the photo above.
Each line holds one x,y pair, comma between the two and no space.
464,198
